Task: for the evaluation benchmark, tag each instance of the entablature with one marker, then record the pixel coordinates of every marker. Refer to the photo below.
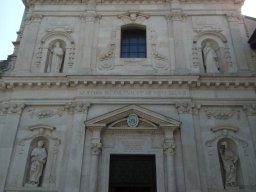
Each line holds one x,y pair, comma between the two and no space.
113,81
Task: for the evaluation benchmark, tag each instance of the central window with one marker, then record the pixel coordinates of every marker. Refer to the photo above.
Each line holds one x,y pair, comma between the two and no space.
133,43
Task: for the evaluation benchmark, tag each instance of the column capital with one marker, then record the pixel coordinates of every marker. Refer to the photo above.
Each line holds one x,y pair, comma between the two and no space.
169,147
96,148
79,107
250,109
11,108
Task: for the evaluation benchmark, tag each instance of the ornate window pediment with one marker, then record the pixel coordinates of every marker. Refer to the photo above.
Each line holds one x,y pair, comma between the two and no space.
132,117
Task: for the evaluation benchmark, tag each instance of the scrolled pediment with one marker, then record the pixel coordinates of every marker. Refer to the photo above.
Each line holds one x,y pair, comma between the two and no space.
131,118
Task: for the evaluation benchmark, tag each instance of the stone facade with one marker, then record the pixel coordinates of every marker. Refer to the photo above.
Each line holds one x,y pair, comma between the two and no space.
69,101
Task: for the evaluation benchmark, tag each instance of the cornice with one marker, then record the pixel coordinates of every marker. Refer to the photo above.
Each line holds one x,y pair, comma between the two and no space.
113,81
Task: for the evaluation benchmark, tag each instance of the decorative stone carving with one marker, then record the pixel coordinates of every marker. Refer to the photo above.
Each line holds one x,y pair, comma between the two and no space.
34,18
159,60
38,159
220,113
169,147
96,148
77,107
250,109
133,120
44,113
229,163
133,17
107,57
184,107
90,17
210,59
176,16
7,108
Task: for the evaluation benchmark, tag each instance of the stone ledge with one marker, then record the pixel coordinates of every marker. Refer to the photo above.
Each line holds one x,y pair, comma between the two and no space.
30,189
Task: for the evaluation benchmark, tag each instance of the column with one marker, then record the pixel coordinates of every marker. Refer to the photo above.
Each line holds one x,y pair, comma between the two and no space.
96,147
189,147
76,143
169,150
28,44
7,138
238,42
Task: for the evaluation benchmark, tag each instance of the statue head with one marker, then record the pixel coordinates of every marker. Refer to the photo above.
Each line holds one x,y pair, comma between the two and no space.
40,143
57,44
208,44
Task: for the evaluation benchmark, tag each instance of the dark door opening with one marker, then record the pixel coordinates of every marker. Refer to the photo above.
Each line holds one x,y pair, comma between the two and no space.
132,173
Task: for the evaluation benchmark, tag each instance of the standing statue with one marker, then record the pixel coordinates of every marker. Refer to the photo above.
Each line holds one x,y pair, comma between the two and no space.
230,164
57,57
210,59
38,159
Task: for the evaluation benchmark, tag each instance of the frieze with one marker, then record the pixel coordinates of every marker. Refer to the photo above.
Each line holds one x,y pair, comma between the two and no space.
145,93
220,113
77,107
45,113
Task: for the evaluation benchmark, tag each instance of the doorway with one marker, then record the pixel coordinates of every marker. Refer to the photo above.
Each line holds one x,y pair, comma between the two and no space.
132,173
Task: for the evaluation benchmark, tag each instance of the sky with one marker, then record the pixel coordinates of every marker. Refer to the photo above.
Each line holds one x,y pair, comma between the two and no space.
11,12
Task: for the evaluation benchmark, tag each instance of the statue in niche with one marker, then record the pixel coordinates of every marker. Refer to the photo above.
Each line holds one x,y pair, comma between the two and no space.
55,58
229,165
38,159
210,59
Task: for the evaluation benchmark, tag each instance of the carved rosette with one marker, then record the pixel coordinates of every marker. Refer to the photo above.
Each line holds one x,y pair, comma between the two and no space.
11,108
96,148
79,107
169,147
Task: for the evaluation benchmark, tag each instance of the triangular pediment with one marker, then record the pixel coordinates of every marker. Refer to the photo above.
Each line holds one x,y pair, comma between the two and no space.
132,117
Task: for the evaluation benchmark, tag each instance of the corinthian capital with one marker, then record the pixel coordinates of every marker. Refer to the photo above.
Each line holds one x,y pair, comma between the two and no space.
96,148
8,108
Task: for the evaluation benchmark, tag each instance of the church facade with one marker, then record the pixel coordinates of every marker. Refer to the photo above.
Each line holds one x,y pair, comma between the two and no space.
131,96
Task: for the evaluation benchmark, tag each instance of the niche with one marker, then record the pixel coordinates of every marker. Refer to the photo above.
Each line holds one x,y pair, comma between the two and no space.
36,162
229,164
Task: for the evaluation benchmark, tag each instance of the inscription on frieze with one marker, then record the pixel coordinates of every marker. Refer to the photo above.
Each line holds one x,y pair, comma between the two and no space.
163,93
133,145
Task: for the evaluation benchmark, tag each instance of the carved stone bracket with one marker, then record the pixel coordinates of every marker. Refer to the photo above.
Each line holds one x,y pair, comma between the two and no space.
220,113
169,147
8,108
79,107
133,17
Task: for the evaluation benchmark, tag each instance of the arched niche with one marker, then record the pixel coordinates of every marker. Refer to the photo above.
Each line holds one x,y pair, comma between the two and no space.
228,136
229,163
218,43
34,134
36,162
46,48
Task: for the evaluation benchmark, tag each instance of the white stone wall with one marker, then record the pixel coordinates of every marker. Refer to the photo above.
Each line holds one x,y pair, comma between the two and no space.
80,112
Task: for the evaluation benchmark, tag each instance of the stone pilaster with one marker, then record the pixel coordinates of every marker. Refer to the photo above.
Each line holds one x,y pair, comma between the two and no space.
177,18
95,152
76,143
7,137
235,31
28,43
169,149
188,139
87,34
